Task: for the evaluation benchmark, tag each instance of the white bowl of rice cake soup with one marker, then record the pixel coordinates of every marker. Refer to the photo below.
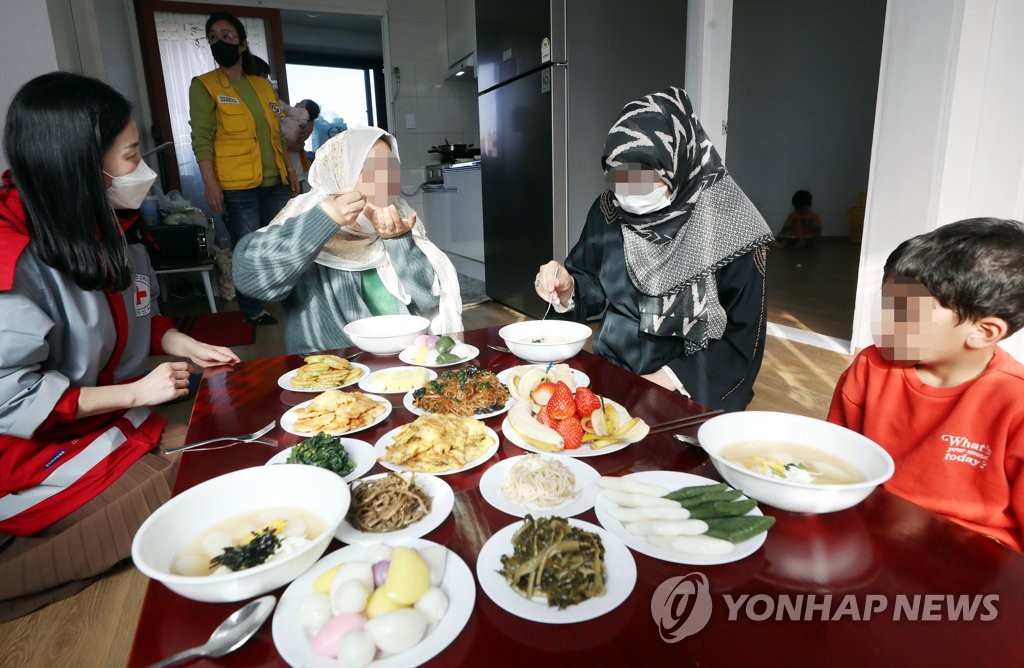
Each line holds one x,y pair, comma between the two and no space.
242,534
793,462
544,341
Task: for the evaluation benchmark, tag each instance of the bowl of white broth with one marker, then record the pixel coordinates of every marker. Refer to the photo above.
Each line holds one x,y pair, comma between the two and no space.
242,534
793,462
545,341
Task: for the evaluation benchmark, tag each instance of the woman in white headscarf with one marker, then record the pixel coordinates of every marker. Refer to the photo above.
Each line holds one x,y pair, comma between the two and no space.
349,249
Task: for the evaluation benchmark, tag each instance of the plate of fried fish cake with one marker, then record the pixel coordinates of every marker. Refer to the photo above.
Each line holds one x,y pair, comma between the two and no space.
334,412
437,443
323,372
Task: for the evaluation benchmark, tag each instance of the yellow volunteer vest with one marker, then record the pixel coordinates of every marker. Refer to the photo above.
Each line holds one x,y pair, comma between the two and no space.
236,151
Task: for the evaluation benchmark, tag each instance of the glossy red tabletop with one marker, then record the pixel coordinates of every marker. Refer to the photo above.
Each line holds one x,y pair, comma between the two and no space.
885,551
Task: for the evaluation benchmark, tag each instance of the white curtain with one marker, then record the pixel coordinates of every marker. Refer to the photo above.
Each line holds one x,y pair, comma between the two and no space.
185,53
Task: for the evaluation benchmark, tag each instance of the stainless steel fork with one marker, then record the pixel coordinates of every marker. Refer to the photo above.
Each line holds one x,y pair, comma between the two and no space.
244,438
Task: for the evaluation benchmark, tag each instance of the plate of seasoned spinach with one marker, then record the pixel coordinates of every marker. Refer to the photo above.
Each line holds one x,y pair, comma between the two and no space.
348,457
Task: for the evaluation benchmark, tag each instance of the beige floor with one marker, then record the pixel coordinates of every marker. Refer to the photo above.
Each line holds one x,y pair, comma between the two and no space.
95,628
814,288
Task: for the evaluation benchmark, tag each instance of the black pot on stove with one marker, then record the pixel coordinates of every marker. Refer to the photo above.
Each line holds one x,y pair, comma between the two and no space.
449,152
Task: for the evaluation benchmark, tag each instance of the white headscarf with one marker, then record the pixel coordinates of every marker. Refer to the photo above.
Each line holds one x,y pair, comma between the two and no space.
338,164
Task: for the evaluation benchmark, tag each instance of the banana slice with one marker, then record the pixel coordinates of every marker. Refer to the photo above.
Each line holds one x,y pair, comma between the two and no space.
531,431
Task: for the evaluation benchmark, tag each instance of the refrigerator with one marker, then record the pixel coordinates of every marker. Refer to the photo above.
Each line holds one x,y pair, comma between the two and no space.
552,76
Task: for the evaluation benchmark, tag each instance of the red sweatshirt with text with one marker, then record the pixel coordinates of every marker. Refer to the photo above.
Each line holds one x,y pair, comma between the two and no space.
959,451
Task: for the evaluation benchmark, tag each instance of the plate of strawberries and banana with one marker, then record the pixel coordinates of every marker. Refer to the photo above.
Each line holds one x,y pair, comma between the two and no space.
549,416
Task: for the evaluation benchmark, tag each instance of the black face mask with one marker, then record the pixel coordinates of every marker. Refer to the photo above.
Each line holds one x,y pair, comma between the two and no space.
225,54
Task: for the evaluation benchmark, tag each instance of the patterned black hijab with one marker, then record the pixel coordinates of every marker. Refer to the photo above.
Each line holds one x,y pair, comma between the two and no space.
672,254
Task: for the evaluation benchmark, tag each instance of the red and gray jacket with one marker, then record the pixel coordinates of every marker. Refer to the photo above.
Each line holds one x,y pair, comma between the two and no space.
56,338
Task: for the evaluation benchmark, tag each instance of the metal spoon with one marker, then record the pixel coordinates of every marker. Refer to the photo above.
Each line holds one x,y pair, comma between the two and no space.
232,633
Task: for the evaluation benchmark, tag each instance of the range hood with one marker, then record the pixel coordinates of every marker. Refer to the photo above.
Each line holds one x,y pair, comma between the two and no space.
463,69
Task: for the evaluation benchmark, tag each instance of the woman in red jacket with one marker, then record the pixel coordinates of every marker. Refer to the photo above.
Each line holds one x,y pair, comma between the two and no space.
78,320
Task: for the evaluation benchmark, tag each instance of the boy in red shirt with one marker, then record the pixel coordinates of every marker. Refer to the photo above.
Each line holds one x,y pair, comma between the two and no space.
937,392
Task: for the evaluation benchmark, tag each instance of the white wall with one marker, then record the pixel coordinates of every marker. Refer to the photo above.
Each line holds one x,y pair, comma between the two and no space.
801,103
708,56
948,139
25,49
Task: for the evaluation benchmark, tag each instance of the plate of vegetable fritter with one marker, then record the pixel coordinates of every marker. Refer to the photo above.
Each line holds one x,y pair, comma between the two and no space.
348,457
586,572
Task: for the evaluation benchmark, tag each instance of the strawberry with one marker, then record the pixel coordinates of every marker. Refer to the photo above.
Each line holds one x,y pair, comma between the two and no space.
545,419
542,393
561,404
571,432
586,401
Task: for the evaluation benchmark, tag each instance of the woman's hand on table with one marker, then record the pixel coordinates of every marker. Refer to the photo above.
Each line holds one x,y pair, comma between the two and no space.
202,354
659,377
167,381
553,279
389,222
345,207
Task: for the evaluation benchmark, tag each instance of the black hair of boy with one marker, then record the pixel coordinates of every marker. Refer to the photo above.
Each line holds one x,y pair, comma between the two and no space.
972,267
801,199
312,108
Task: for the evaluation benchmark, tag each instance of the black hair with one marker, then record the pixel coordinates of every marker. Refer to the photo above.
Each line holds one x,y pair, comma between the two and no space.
248,64
972,267
59,126
312,108
260,67
801,198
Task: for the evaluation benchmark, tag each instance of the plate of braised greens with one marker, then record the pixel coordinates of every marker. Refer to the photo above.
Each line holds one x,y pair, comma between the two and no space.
348,457
585,571
466,392
390,506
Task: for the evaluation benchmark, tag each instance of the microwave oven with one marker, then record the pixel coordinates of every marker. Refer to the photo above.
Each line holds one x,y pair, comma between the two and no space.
176,246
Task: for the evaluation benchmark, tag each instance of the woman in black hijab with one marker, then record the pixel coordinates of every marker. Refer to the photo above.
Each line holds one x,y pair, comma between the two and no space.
676,253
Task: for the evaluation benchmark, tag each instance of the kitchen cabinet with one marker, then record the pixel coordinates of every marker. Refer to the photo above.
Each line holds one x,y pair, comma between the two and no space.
453,215
460,20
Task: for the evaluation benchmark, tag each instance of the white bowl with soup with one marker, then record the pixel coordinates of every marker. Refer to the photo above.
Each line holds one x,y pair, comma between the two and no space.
793,462
543,341
201,544
386,334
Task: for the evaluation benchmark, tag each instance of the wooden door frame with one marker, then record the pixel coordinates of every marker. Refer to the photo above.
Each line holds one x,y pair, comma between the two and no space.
154,73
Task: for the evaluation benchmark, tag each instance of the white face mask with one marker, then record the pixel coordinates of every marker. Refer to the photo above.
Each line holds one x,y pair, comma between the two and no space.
655,200
128,191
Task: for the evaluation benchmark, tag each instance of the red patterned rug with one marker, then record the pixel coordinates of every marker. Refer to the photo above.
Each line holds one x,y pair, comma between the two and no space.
219,329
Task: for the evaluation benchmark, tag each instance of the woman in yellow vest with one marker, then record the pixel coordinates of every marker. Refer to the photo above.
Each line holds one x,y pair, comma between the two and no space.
236,137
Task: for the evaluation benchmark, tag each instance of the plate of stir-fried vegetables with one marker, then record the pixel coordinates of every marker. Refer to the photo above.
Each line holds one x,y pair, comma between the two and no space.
556,570
466,392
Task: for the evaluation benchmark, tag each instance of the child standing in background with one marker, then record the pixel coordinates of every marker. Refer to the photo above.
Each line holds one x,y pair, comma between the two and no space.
802,226
937,392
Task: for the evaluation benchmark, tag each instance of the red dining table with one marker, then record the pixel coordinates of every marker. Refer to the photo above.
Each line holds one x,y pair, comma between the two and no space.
884,583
